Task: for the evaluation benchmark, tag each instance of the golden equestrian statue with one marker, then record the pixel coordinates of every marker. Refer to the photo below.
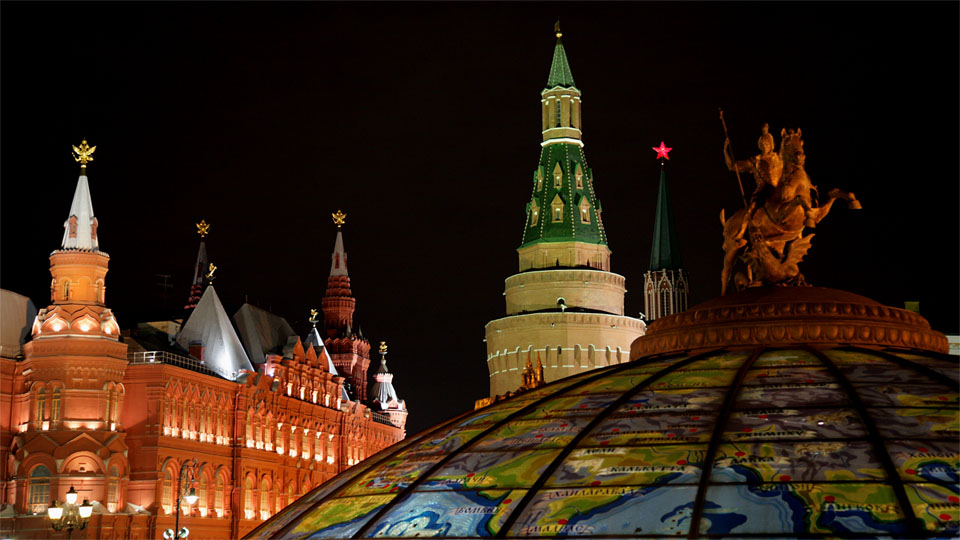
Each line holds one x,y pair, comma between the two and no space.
767,235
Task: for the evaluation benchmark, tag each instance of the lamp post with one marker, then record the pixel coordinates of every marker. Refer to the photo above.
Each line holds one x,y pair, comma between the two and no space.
70,515
188,469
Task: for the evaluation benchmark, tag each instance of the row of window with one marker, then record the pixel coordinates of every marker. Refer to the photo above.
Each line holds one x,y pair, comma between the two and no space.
556,211
558,177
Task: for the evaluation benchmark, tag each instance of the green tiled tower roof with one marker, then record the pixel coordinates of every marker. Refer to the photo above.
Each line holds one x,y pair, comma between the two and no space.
571,195
560,74
665,255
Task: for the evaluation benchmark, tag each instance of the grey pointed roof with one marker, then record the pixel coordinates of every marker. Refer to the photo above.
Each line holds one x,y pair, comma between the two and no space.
338,260
210,326
383,392
82,208
665,254
315,340
200,271
17,313
261,332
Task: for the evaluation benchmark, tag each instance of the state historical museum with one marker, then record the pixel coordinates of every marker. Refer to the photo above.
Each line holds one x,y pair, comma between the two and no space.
267,415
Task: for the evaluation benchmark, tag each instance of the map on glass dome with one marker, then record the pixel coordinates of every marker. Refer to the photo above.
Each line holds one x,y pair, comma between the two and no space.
773,444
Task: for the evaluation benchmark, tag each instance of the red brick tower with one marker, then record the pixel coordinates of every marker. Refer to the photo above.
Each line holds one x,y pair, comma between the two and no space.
71,391
350,352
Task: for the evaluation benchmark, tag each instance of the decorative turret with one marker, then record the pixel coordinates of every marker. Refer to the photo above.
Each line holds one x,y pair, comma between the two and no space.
385,395
563,226
350,352
665,283
75,364
339,303
200,271
79,269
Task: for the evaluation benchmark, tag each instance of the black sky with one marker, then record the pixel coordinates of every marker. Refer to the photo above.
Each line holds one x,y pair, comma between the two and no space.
421,121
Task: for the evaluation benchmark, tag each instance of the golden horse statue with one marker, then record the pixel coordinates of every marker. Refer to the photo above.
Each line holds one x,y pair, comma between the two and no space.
768,234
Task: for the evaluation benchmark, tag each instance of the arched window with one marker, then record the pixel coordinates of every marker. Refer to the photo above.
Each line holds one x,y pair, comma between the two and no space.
113,489
264,499
106,404
66,290
38,497
556,109
167,495
579,176
218,496
41,404
291,493
248,498
202,492
115,400
557,176
55,406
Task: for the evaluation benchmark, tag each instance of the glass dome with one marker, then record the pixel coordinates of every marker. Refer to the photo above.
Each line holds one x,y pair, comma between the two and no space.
763,441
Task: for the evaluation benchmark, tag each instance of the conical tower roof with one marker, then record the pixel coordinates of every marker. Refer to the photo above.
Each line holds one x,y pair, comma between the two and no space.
210,326
338,259
560,74
665,254
383,392
83,234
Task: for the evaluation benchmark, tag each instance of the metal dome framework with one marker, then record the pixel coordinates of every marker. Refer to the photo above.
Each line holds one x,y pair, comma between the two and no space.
802,441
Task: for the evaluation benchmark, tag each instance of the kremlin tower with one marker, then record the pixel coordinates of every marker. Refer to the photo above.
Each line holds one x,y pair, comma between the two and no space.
349,351
71,392
565,308
665,284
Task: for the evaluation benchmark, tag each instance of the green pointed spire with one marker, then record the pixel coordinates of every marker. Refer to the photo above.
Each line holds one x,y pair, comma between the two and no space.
560,74
665,254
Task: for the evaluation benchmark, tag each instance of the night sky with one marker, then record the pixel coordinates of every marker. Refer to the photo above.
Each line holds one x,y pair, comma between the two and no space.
422,122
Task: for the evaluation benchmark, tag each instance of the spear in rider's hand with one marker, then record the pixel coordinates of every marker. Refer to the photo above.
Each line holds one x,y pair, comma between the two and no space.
735,169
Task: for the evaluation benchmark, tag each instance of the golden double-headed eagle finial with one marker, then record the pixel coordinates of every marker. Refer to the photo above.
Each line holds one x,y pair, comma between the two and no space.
339,218
84,153
383,348
314,319
203,228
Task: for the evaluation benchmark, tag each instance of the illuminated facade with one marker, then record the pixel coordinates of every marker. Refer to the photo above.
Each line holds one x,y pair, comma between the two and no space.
565,307
116,418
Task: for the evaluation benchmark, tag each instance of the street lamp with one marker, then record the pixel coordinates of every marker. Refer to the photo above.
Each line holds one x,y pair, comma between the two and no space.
188,469
69,515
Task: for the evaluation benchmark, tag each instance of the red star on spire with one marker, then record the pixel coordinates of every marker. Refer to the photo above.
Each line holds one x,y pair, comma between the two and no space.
662,151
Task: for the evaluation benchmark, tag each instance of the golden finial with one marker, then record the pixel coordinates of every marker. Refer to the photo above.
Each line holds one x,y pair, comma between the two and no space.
313,317
339,218
84,153
383,348
213,269
203,228
556,30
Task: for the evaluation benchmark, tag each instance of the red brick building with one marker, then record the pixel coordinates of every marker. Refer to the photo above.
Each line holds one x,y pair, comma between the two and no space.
115,417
